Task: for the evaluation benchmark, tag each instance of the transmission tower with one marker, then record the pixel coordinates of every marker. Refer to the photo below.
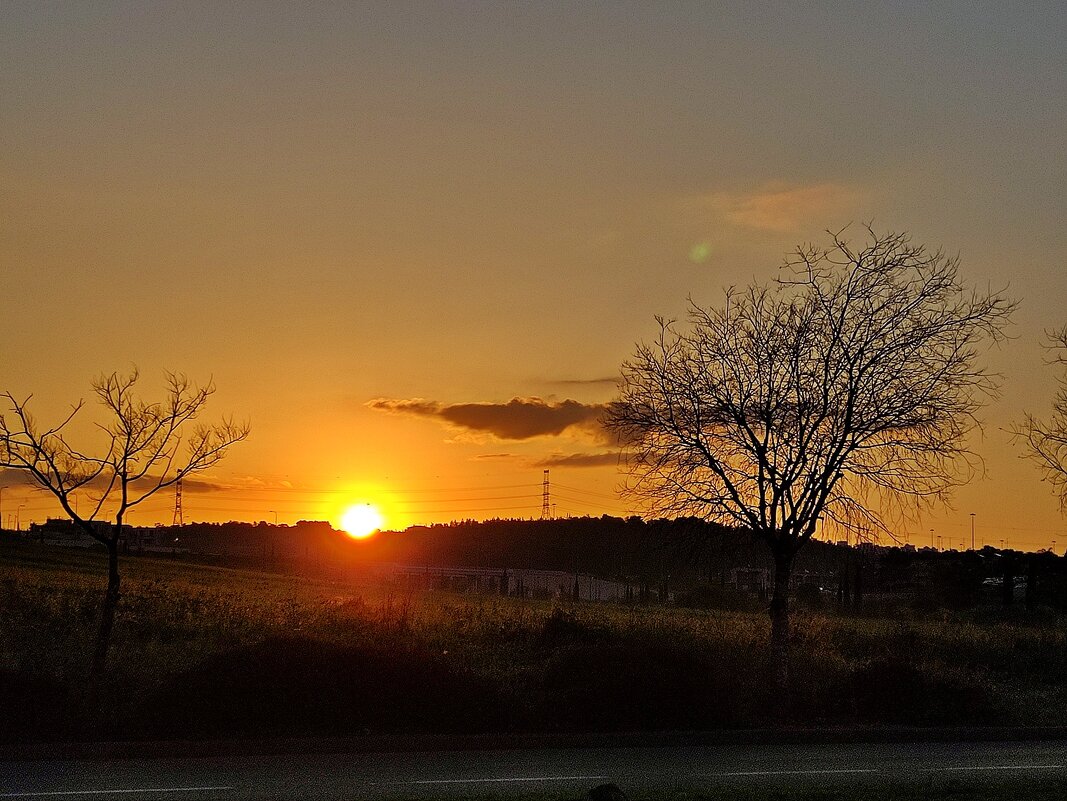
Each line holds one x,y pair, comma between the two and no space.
546,500
178,521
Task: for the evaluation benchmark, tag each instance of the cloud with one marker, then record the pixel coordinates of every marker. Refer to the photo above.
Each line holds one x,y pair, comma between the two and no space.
203,485
579,460
608,380
11,477
517,419
786,208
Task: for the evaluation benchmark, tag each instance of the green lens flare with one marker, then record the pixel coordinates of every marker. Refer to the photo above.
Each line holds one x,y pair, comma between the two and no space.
698,254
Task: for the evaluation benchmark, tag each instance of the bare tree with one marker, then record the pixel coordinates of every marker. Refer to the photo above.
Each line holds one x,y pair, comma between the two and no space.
143,448
845,390
1046,440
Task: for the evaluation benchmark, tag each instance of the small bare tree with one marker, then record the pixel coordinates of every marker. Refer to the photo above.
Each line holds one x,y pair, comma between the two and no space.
841,391
145,447
1046,440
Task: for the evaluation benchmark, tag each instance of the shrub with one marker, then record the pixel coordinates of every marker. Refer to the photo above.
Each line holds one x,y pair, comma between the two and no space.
893,691
636,686
33,707
563,628
297,685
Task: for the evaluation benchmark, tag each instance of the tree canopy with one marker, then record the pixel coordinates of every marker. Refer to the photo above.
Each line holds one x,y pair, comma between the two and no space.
843,390
1046,439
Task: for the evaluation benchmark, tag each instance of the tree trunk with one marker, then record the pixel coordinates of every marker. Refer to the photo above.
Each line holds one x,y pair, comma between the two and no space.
107,610
857,587
1007,588
1031,584
783,567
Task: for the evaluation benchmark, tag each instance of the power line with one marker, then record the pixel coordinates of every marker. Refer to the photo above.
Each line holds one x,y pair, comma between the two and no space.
465,500
390,488
587,492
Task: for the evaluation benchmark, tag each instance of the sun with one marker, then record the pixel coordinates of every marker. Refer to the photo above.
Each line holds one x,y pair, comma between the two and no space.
361,520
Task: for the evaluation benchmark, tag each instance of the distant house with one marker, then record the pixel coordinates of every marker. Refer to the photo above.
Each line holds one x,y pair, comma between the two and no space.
522,583
60,531
759,580
68,534
750,579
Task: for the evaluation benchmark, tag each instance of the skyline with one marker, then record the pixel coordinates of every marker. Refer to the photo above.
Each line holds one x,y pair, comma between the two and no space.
412,244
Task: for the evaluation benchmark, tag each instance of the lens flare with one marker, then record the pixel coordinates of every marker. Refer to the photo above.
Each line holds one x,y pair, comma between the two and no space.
698,254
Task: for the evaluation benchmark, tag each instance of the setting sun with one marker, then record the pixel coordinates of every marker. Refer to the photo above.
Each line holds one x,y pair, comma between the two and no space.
361,520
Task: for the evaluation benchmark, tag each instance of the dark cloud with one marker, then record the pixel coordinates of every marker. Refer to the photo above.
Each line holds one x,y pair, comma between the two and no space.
610,381
11,477
203,485
579,460
517,419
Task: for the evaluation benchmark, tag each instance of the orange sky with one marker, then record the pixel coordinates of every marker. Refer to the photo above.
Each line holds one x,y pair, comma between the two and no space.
376,226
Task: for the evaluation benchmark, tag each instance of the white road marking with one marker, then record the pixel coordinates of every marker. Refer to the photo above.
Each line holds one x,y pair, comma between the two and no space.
795,772
113,792
514,779
995,767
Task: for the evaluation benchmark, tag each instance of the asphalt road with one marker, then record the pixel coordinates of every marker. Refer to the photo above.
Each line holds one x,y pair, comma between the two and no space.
558,772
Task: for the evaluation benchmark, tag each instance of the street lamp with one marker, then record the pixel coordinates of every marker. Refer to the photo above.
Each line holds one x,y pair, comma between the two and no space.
18,523
272,512
972,531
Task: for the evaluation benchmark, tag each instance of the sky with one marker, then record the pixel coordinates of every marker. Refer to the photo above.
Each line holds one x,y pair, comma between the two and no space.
411,243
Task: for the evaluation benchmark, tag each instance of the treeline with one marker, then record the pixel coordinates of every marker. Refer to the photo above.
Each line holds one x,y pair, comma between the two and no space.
701,563
685,550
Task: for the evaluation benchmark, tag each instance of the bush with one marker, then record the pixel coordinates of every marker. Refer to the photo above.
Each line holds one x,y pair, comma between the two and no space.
563,628
621,687
299,686
711,596
809,596
893,691
33,708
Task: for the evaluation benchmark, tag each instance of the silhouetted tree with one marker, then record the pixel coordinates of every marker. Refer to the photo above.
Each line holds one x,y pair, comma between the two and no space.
140,452
842,390
1046,440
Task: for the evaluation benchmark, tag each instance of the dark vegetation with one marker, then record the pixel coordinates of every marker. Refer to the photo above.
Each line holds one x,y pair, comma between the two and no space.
693,562
205,651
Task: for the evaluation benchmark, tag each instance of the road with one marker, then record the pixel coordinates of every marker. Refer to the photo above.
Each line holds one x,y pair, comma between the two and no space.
559,772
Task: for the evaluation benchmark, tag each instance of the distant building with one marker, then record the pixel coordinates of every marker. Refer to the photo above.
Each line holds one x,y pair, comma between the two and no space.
68,534
60,531
750,579
522,583
759,579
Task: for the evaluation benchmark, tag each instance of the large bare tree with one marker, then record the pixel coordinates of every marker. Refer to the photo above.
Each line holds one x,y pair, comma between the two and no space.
141,448
845,390
1046,440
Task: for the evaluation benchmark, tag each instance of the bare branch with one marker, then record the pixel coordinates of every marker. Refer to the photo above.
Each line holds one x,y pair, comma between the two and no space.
1045,440
144,443
860,363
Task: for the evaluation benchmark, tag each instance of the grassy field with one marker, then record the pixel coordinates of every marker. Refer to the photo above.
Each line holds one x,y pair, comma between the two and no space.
204,651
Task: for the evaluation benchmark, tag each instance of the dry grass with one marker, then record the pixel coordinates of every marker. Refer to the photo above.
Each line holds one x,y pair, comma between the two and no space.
558,666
